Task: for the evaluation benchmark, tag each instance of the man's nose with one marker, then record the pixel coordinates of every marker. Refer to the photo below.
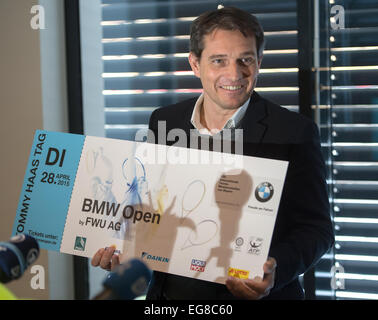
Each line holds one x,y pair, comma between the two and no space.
235,71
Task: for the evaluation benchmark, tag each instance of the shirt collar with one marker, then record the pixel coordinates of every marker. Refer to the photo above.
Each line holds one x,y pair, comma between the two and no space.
231,123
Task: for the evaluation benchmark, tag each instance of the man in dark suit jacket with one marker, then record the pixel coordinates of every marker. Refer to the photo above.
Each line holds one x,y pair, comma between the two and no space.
303,230
226,54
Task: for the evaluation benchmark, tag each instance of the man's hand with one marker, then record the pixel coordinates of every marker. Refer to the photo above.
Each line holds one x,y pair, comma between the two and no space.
106,259
257,288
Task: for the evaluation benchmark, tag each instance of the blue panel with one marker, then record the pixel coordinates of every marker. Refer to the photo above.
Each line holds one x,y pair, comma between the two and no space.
48,183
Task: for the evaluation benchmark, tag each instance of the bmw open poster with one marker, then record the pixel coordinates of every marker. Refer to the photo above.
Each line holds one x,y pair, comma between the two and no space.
189,212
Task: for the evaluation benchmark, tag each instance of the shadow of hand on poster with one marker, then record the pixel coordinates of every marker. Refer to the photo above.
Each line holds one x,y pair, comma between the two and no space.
152,232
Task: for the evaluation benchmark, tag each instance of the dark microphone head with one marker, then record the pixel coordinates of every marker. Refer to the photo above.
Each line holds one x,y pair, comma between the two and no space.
129,280
16,255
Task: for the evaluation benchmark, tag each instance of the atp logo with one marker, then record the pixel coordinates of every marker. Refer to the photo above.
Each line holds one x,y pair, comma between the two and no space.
255,245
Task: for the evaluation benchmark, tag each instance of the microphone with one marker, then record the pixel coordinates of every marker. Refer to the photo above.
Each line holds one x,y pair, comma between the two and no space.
128,281
16,255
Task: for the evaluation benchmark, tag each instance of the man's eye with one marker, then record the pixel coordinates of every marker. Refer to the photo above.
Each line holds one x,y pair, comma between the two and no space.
217,61
247,61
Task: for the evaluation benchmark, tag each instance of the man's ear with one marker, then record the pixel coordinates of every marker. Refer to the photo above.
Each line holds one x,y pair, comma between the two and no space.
259,61
194,63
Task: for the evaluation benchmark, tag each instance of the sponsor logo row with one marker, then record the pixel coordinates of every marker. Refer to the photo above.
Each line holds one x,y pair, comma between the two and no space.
200,265
252,246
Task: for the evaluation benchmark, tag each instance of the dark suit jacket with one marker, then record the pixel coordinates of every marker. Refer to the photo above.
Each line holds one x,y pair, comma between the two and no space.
303,231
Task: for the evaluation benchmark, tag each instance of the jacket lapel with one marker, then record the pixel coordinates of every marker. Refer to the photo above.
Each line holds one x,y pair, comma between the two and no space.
184,122
254,122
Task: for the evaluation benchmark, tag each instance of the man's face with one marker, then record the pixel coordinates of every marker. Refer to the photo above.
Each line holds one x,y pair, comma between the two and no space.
228,69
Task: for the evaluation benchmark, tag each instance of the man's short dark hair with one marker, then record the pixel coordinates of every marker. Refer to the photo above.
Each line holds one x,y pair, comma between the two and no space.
228,18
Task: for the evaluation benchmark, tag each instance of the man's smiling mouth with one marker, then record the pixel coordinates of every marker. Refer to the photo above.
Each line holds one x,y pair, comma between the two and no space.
231,88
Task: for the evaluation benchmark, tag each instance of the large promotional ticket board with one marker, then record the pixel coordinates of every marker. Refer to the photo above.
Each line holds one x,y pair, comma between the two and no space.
190,212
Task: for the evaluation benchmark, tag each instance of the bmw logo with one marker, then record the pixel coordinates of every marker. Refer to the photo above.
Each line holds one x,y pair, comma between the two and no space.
264,192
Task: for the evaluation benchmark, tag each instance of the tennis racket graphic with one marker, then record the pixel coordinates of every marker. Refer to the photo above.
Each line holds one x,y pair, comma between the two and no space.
205,231
192,198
